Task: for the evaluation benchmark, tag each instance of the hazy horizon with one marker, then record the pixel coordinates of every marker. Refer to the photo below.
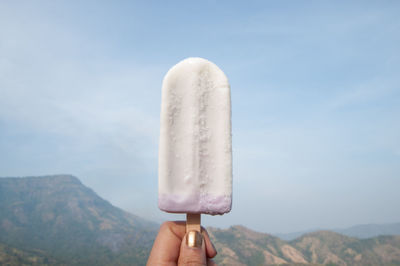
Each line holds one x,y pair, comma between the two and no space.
315,102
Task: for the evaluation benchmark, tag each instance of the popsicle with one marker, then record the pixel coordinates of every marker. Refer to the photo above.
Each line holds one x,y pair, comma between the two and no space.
195,149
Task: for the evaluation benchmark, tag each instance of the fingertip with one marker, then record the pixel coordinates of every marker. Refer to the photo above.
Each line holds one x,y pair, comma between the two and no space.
193,249
194,239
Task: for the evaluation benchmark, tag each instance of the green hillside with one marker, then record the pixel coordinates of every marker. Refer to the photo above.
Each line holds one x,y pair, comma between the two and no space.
10,256
56,220
59,215
241,246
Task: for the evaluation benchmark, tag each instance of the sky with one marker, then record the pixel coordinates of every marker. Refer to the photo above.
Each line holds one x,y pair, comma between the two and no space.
315,90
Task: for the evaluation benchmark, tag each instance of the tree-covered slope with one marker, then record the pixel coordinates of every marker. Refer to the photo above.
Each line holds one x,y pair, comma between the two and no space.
67,220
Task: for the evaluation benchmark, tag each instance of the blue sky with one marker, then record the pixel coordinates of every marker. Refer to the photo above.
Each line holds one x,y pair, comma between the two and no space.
315,101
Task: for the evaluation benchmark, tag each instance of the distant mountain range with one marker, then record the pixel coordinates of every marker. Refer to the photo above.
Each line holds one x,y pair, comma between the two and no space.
359,231
56,220
370,230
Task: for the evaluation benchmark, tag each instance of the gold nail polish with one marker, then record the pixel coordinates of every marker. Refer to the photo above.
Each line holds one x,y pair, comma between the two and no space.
194,239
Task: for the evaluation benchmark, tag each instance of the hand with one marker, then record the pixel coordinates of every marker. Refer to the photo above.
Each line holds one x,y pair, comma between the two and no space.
173,246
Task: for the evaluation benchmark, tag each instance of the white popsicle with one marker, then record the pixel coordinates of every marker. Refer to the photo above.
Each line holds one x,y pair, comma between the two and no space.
195,152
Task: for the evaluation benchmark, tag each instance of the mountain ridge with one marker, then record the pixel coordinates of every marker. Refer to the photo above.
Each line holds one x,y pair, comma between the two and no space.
61,216
362,231
56,220
315,248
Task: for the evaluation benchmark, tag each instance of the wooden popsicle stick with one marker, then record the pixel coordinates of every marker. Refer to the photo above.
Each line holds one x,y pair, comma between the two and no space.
193,221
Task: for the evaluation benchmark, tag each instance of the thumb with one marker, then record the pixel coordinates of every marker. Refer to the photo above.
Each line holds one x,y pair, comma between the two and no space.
193,250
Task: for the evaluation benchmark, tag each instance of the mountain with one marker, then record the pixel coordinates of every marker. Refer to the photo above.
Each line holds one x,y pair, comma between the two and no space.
317,248
61,218
56,220
253,248
370,230
325,247
359,231
14,256
293,235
